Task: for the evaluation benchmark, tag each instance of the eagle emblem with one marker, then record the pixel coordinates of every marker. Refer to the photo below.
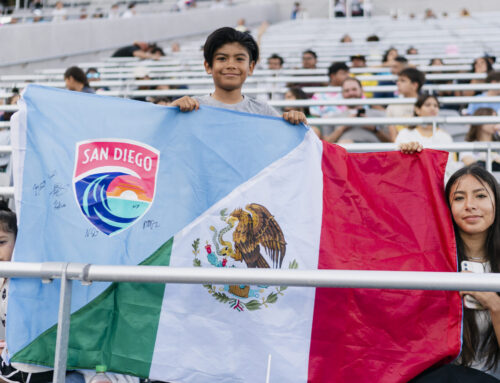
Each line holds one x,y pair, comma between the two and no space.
257,242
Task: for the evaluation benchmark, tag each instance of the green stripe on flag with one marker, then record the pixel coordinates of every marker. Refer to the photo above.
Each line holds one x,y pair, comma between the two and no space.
117,329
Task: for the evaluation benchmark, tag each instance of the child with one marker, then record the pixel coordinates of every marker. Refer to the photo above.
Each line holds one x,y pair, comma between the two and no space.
409,83
230,57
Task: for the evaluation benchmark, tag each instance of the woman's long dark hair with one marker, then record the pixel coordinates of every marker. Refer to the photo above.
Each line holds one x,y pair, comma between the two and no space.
472,344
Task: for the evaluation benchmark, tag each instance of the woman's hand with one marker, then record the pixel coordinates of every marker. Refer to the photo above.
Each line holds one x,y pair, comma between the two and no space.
410,147
489,300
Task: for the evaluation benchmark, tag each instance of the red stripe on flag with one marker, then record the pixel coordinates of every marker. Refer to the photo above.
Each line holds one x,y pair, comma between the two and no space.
384,211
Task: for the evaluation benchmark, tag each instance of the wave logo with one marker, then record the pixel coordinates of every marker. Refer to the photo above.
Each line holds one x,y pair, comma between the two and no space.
114,182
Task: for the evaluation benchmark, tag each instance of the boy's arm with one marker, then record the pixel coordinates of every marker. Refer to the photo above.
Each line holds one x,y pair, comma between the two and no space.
186,104
295,117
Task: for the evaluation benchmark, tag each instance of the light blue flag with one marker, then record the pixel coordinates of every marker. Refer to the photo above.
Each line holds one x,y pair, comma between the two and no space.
108,180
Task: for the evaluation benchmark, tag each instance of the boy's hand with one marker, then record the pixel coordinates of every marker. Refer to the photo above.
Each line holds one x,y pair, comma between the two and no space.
186,104
295,117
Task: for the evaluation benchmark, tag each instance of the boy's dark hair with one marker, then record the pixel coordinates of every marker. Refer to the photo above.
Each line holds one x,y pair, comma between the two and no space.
401,59
78,74
276,56
414,75
310,52
226,35
493,77
336,66
8,220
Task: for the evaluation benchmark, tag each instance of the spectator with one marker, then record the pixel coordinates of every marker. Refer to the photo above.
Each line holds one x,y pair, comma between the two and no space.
358,61
493,78
356,8
352,89
372,38
398,64
59,13
295,11
241,27
337,73
76,80
130,12
93,75
436,62
227,50
464,13
309,59
482,133
480,65
175,47
429,14
339,8
346,39
426,106
389,56
114,12
296,93
140,50
412,51
409,83
218,4
275,62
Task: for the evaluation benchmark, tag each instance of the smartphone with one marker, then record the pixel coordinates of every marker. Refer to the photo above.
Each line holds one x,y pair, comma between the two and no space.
473,267
361,112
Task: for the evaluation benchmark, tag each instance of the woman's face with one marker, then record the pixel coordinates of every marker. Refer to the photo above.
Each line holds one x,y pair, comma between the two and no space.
429,108
393,53
7,241
480,65
472,205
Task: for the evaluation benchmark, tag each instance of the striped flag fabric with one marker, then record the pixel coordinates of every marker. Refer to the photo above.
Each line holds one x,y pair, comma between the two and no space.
112,181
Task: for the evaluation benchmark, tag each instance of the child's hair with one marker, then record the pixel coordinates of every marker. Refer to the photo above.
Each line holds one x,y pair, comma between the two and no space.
311,52
299,94
414,75
401,59
276,56
473,132
493,77
78,74
420,102
227,35
8,221
336,66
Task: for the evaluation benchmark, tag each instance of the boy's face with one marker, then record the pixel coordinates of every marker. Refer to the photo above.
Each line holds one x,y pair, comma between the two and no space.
230,67
405,86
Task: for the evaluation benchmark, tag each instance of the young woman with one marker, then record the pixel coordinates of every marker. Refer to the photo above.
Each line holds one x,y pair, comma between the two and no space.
426,106
473,196
482,133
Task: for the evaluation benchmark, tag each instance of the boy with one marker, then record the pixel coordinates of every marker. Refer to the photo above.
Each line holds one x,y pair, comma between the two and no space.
230,57
409,83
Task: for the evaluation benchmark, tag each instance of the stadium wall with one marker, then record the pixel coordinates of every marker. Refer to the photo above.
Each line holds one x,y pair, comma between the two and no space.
26,47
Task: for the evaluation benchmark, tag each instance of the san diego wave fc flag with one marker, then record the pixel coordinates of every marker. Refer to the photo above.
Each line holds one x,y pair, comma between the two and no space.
110,181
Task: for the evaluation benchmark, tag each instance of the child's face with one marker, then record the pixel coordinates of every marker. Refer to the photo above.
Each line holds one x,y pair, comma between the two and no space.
405,86
7,242
230,67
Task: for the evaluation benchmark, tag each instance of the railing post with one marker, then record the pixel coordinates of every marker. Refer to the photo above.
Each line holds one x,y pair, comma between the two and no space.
489,166
63,322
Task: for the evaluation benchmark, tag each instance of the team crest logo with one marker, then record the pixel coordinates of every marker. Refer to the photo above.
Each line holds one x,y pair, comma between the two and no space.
114,182
247,232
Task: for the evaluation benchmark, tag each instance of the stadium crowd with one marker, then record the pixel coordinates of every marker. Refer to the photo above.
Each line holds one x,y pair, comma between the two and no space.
472,193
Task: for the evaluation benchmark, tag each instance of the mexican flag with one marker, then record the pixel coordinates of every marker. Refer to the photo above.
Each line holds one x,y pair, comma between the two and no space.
109,181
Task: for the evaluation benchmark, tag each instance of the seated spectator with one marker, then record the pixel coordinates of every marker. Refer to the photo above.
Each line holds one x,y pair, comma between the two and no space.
309,59
397,65
59,13
372,38
493,78
358,61
346,39
480,65
130,12
140,50
340,8
94,76
352,89
389,56
337,72
412,51
482,133
114,11
275,62
296,93
426,106
76,80
241,26
409,83
436,62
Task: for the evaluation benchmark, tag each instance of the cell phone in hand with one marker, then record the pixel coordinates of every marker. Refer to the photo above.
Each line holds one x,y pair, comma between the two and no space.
473,267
